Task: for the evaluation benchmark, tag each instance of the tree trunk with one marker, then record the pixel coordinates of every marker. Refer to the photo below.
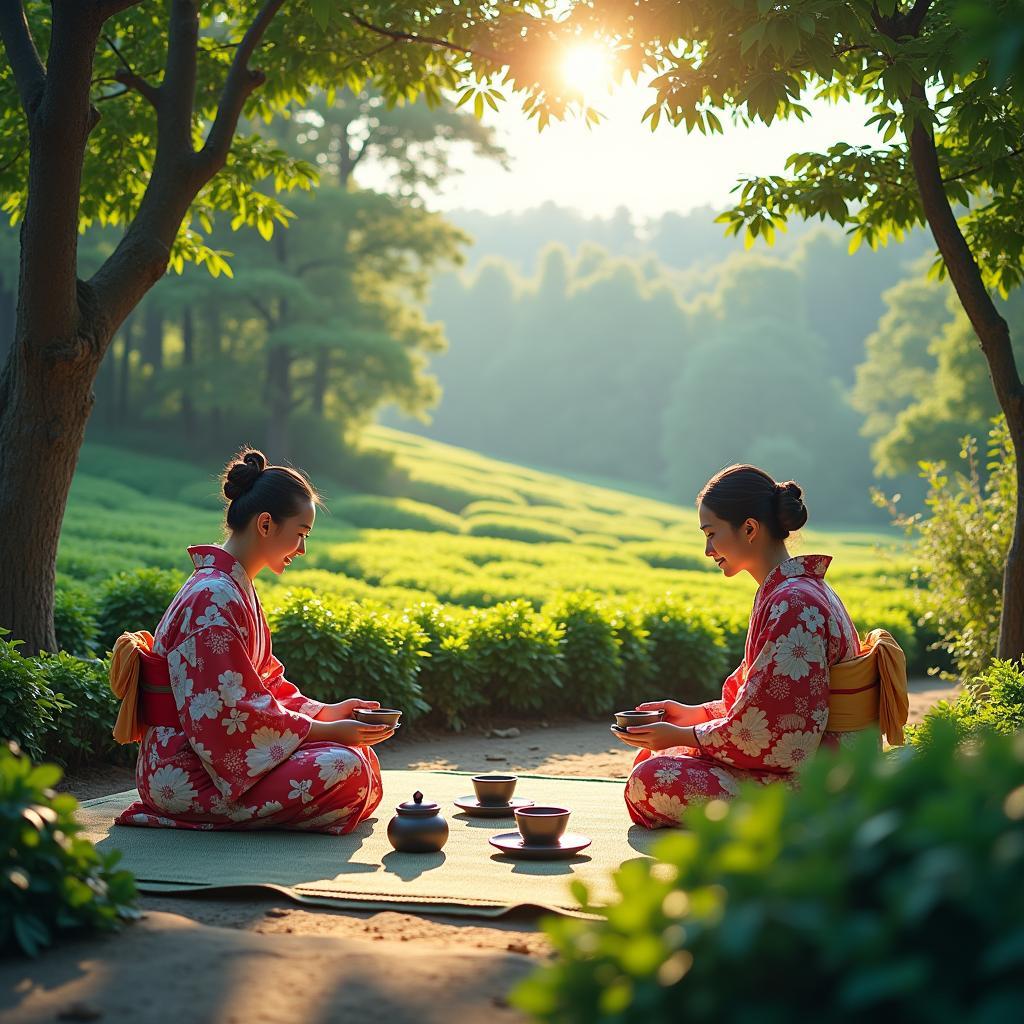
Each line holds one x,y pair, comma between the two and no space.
7,316
188,411
43,412
994,337
320,374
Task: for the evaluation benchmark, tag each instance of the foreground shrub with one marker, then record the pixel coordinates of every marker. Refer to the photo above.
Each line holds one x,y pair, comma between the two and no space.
29,708
135,600
337,649
992,703
52,880
886,888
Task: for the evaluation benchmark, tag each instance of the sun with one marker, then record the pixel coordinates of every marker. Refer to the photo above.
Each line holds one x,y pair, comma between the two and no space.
587,69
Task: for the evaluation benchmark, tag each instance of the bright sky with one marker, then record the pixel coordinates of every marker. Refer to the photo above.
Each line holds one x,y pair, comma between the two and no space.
621,162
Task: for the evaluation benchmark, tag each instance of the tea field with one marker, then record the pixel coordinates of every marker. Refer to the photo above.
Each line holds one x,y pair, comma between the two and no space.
464,530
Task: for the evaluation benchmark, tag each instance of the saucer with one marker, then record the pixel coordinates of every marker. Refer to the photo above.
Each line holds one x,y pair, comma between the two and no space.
475,809
513,845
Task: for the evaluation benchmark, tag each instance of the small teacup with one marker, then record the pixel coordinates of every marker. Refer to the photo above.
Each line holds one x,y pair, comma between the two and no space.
494,790
542,826
377,716
624,719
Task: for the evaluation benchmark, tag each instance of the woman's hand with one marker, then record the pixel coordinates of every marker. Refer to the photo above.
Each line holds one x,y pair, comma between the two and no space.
349,732
658,736
676,713
344,709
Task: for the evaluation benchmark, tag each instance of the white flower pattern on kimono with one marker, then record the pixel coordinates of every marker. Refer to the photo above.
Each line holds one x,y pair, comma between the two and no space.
203,752
335,765
269,808
205,705
726,780
792,567
231,687
221,593
666,774
218,641
171,790
812,618
201,561
636,792
269,747
750,732
778,610
235,721
792,749
177,672
797,651
211,617
300,790
667,805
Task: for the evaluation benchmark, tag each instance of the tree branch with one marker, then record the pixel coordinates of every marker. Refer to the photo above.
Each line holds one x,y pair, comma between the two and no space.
412,37
911,22
238,86
127,77
108,8
29,74
991,329
178,88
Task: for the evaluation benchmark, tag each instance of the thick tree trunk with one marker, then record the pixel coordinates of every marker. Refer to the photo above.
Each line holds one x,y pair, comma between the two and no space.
994,337
43,412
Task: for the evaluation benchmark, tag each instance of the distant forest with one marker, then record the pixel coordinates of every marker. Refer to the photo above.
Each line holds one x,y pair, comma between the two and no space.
657,353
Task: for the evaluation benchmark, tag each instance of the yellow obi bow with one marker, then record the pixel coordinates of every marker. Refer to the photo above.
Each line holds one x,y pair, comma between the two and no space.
124,681
871,688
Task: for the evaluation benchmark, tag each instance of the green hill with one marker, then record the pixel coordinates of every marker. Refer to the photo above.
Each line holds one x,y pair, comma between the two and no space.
461,528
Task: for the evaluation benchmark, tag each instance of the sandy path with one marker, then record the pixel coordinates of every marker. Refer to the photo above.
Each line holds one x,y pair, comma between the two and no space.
238,959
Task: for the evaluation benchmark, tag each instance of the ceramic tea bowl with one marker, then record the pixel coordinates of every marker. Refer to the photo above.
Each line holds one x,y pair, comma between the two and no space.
542,826
494,790
624,719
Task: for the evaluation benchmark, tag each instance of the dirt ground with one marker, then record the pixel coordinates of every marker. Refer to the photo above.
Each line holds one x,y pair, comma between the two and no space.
263,958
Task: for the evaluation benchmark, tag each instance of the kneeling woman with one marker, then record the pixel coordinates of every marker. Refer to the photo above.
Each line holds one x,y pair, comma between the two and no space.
775,707
226,741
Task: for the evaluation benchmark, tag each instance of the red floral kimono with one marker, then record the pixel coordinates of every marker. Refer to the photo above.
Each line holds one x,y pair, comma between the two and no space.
237,759
774,707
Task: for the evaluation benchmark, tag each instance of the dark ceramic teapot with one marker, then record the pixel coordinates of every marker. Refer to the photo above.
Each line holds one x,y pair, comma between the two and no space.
418,827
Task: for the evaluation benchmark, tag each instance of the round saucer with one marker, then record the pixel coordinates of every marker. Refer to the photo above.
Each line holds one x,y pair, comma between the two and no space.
471,806
512,844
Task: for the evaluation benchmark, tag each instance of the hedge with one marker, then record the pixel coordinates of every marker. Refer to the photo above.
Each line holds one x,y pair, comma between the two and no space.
887,887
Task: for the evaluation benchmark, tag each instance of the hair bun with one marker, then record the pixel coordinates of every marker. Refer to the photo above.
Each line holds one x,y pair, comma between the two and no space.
792,510
243,473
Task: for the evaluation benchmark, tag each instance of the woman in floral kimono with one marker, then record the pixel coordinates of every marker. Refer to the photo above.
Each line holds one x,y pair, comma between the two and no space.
775,705
235,744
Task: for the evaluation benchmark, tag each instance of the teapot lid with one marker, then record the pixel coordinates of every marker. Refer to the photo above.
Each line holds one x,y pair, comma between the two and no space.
418,807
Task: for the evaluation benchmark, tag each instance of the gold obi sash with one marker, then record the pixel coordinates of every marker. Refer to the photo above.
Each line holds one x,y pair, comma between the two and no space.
870,689
140,679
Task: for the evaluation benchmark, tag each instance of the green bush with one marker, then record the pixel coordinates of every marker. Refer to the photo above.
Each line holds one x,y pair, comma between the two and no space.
366,510
29,709
452,681
516,651
74,618
687,651
660,555
334,649
992,702
962,544
886,888
591,669
84,730
52,880
511,528
135,600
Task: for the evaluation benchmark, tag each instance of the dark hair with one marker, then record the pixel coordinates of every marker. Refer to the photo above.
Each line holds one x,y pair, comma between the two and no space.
738,493
252,487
